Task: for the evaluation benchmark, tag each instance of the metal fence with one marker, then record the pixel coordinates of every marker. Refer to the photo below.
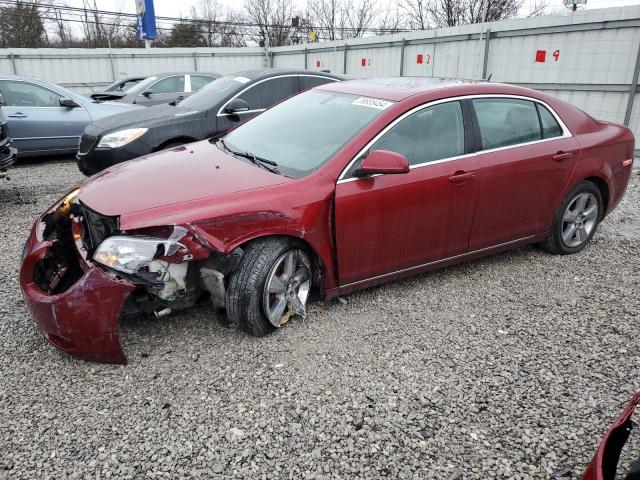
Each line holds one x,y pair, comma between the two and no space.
590,58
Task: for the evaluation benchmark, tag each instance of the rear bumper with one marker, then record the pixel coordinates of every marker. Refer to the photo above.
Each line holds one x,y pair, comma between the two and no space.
82,320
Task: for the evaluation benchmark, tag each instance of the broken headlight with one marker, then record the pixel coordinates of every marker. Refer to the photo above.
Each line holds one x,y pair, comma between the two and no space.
121,137
129,254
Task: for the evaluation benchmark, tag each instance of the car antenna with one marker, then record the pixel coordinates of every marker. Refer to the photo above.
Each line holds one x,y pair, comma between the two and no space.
489,77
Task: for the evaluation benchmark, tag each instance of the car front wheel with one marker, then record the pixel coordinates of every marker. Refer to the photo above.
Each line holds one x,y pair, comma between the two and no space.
270,285
576,220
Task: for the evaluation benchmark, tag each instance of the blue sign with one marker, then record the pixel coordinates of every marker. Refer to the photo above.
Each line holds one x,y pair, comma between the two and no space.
146,20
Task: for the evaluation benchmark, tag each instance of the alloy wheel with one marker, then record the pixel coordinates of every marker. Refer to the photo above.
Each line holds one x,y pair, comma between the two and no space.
287,288
579,220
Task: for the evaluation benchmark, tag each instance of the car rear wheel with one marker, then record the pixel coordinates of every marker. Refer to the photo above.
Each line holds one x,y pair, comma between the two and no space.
271,285
576,220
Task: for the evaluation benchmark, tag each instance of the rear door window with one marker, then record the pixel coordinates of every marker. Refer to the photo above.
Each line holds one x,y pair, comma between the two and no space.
199,81
269,92
550,126
174,84
507,121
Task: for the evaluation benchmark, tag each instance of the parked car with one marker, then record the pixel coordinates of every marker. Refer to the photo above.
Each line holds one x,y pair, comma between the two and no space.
605,462
47,119
342,187
219,106
159,89
7,153
125,83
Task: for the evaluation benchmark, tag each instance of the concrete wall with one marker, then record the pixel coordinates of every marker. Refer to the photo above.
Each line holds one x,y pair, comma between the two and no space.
591,58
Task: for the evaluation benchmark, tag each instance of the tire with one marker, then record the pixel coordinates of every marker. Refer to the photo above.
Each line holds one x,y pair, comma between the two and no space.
561,240
248,298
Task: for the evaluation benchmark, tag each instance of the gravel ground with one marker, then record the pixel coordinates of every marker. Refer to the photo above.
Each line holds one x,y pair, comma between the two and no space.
508,367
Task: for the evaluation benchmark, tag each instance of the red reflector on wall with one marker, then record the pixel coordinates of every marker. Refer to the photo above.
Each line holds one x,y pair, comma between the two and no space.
364,62
317,63
541,56
420,58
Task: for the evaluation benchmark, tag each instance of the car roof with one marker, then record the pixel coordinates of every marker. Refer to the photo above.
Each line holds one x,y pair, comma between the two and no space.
256,74
396,88
168,74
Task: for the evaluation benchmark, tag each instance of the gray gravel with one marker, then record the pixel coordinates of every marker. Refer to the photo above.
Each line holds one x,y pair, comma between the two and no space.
508,367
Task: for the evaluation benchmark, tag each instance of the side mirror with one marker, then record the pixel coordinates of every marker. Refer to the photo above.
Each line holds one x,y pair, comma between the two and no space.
236,105
147,93
383,162
68,102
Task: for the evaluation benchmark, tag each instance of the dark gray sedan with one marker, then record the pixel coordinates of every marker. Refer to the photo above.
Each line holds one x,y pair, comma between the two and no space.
161,88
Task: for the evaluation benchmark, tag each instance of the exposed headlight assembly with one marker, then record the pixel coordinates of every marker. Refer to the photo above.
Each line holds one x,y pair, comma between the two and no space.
129,254
121,137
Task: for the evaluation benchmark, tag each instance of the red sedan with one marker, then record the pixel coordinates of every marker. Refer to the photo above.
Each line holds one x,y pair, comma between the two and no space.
343,187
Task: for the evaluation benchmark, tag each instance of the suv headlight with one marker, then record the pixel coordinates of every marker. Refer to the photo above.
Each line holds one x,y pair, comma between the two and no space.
130,254
121,137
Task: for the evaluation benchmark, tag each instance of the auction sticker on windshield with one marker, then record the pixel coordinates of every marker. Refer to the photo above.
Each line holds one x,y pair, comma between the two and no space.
373,103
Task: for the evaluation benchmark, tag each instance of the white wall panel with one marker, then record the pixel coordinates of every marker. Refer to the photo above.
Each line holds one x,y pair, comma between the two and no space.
373,62
332,60
289,61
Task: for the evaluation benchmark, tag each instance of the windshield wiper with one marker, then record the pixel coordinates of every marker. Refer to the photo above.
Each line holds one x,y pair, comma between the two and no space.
261,162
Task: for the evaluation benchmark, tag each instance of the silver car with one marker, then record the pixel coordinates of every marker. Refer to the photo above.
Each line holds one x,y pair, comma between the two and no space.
160,88
44,118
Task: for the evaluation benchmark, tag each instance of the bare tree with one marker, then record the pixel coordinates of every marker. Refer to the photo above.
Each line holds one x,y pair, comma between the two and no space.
416,13
232,32
102,30
272,19
326,15
491,10
338,19
359,17
449,13
61,30
390,20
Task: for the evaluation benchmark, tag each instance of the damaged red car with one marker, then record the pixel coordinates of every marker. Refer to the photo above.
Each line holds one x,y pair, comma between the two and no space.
340,188
604,465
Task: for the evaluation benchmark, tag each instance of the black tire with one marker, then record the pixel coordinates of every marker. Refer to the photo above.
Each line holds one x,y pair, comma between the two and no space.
555,243
246,284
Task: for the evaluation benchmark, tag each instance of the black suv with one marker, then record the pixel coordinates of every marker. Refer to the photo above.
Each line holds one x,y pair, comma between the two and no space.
7,153
210,112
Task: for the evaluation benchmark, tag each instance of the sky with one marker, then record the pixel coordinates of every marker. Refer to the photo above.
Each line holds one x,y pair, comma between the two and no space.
174,8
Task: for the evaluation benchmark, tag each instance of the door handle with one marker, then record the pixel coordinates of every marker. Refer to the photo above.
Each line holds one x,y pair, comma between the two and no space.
17,115
561,156
461,176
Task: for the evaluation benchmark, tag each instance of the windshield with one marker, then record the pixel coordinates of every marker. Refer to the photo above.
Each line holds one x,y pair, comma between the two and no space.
212,94
304,132
141,86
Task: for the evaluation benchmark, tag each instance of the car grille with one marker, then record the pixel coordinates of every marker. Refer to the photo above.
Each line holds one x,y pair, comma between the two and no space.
4,132
96,226
87,142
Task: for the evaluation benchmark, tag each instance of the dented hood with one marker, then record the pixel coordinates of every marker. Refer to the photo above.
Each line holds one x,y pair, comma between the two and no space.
195,171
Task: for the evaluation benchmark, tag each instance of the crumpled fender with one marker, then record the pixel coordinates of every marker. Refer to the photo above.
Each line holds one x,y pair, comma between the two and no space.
605,461
84,319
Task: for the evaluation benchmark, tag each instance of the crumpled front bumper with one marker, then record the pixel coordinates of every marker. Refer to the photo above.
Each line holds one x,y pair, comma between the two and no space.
605,462
82,320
